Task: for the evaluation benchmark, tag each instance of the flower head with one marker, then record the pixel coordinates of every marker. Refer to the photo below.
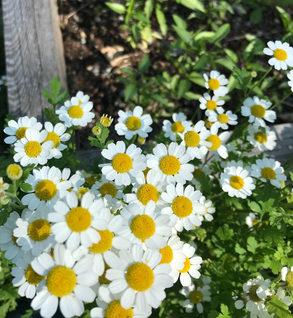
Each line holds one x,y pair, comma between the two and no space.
106,120
172,129
282,54
216,82
263,139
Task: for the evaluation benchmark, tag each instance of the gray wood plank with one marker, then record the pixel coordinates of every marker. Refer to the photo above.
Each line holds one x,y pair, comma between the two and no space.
34,54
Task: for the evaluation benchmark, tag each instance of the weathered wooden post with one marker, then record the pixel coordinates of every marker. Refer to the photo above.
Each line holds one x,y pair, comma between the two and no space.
34,53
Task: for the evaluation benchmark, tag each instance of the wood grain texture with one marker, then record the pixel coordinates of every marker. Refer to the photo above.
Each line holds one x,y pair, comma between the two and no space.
34,54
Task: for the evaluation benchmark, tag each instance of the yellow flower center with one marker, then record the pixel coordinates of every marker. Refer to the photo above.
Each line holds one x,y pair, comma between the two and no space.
96,130
191,139
182,206
104,244
253,295
186,267
78,219
54,137
236,182
122,163
289,279
32,277
214,84
139,277
143,227
80,192
280,54
61,281
260,137
102,278
133,123
167,254
90,180
39,230
108,188
20,133
45,190
211,105
75,112
177,127
268,173
196,173
14,172
223,118
32,149
169,165
106,121
115,310
215,140
258,111
208,124
146,193
195,297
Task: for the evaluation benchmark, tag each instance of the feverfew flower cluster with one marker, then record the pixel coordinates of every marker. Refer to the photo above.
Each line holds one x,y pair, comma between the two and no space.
117,238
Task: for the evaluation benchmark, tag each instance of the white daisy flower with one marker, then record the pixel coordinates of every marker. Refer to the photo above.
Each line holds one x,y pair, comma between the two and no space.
282,54
209,209
32,148
268,169
144,225
46,187
196,295
17,130
287,276
222,119
25,278
57,135
216,82
237,182
194,138
77,224
184,206
109,306
172,129
77,111
218,141
250,219
172,254
172,163
148,189
191,265
209,103
33,231
262,139
290,82
8,241
3,80
3,186
258,110
127,164
256,291
139,276
132,123
65,279
76,179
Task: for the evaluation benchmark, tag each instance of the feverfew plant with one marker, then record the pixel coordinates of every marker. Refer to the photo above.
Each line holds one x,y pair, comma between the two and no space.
191,224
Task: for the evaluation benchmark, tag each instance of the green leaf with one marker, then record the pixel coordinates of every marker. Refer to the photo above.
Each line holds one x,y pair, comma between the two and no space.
185,36
201,63
174,82
62,98
179,21
144,64
256,16
229,64
55,87
197,79
224,233
135,32
130,91
162,20
184,86
224,311
200,233
26,187
192,96
251,244
222,32
286,18
239,249
231,55
277,307
254,206
206,35
117,7
50,115
193,4
47,95
148,8
160,99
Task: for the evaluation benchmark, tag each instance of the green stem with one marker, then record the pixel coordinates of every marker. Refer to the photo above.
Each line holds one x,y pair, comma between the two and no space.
259,82
194,114
281,101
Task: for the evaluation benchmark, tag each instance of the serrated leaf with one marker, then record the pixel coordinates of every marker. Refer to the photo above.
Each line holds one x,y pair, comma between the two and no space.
254,206
117,7
62,98
239,249
130,91
251,244
26,187
144,64
224,233
55,85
